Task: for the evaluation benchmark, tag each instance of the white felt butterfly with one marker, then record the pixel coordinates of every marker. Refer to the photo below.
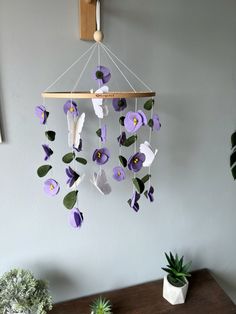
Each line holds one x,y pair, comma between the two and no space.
75,126
99,180
100,109
146,149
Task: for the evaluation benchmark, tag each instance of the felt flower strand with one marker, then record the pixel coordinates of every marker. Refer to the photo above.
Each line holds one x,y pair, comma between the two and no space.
118,173
119,104
102,75
72,107
134,120
51,187
135,162
48,151
76,218
42,114
101,156
133,202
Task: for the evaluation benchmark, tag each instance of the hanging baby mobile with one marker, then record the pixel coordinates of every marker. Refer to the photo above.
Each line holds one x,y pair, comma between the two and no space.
135,115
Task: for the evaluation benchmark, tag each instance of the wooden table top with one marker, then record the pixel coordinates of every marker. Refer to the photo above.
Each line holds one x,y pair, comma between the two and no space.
204,296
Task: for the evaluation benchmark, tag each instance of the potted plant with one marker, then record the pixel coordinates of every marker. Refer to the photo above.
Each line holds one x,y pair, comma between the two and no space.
21,293
175,285
101,306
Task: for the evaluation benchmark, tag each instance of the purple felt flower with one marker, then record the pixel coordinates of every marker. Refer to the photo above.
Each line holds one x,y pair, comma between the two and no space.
149,194
118,173
156,122
42,114
134,120
103,133
119,104
76,218
51,187
134,201
72,176
121,139
101,156
71,106
48,151
79,148
102,75
135,162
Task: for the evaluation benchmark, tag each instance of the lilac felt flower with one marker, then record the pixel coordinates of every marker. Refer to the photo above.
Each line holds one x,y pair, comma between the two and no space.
101,155
135,162
76,218
71,106
102,75
156,122
48,151
72,176
119,104
118,173
134,201
134,120
51,187
149,194
79,147
42,114
121,139
103,133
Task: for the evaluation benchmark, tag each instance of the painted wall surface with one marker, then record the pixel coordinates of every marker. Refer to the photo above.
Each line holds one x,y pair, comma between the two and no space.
186,50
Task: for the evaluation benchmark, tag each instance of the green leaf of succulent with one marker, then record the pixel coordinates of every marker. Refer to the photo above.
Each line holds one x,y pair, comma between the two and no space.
150,123
50,135
233,139
148,104
68,158
101,306
123,161
99,132
43,170
146,178
139,185
130,140
70,199
121,120
81,160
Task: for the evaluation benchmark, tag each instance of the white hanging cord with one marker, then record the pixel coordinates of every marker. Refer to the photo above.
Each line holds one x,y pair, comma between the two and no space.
104,48
83,70
98,15
71,66
127,68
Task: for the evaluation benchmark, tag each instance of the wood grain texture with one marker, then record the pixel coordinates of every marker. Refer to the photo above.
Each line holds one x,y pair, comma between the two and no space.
87,18
205,296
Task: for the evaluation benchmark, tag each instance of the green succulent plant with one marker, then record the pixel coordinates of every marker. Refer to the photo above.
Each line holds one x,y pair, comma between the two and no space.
177,271
101,306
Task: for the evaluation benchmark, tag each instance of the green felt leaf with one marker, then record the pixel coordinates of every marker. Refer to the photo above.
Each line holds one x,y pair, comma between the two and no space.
146,178
233,158
123,161
99,132
234,171
129,202
233,139
150,123
68,158
148,104
121,120
81,160
43,170
130,140
139,185
70,199
50,135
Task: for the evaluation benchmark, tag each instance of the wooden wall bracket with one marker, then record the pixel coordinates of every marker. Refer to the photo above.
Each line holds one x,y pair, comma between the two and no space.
87,19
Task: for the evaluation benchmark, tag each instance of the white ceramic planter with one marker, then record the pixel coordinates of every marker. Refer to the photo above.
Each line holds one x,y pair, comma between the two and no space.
174,295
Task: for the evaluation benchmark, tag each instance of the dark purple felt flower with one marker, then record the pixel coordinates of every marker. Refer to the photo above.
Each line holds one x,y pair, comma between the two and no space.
101,155
79,148
48,151
118,173
149,194
51,187
119,104
156,122
135,162
102,75
76,218
134,120
134,201
72,176
104,133
42,114
71,106
121,139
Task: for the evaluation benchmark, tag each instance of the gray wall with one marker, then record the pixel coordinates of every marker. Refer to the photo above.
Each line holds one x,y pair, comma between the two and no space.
186,50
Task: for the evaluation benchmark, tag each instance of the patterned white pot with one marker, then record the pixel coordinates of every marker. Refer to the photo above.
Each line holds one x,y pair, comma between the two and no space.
174,295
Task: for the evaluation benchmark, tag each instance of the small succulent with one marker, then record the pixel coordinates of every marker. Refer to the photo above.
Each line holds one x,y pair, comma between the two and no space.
101,306
177,272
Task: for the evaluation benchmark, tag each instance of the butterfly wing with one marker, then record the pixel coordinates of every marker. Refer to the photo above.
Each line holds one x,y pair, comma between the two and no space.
71,129
94,182
102,183
145,148
78,129
99,109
